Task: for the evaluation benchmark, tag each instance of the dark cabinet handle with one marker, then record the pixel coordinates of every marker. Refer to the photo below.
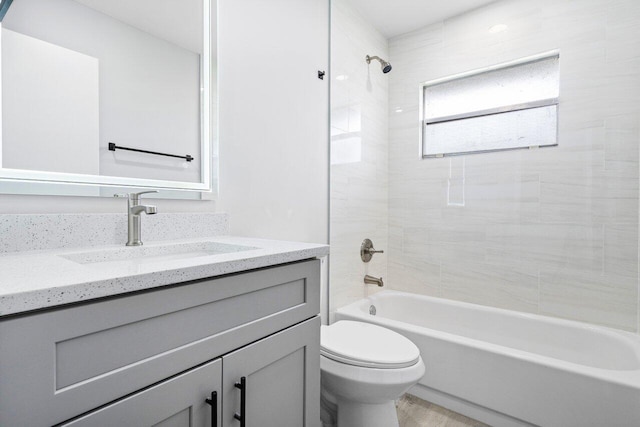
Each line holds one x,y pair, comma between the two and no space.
242,416
214,408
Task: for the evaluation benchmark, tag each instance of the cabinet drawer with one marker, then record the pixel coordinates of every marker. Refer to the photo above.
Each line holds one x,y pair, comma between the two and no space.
58,364
179,401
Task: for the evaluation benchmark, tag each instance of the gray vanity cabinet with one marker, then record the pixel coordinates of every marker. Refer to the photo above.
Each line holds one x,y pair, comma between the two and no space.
160,353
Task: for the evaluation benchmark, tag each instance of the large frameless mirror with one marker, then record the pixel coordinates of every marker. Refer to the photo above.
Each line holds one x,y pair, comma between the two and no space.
105,94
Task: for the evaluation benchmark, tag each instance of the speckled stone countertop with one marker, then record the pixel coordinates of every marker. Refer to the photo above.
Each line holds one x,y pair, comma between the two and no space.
47,278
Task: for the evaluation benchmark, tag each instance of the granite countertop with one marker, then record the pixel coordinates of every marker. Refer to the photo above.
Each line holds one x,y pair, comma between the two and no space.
41,279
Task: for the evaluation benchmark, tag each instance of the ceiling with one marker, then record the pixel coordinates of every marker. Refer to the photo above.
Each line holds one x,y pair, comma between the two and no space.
164,19
177,21
395,17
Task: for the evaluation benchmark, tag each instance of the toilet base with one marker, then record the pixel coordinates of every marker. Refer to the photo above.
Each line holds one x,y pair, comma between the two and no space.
347,413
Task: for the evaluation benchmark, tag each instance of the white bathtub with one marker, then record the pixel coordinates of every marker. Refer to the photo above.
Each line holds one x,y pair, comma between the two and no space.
508,368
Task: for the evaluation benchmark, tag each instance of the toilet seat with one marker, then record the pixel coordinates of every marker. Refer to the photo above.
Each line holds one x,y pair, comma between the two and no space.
367,345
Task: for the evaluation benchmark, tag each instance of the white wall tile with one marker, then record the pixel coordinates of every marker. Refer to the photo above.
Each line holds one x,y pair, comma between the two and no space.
359,195
589,295
553,230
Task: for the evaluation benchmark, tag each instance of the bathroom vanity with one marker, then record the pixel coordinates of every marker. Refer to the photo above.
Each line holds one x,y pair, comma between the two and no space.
181,336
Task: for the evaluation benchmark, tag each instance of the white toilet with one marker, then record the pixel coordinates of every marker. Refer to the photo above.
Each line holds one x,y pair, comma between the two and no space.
365,368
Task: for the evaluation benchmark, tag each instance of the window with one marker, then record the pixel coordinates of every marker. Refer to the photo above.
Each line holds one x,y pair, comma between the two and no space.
503,107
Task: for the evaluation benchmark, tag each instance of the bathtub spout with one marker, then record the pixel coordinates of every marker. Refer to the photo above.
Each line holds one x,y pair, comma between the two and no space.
370,280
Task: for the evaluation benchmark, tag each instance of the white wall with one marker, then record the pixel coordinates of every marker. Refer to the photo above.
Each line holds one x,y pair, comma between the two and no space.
359,174
551,231
273,118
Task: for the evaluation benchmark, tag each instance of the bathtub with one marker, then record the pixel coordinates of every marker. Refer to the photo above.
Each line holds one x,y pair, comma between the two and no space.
507,368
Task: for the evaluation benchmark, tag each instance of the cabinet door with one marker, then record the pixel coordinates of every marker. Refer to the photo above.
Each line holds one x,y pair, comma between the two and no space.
282,380
177,402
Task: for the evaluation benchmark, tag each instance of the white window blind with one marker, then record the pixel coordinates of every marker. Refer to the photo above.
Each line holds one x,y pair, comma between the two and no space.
514,106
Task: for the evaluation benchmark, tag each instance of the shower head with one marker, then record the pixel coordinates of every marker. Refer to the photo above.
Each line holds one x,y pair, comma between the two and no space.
386,67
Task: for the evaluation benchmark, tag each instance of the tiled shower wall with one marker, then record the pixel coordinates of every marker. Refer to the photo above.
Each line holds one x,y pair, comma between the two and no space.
359,126
551,230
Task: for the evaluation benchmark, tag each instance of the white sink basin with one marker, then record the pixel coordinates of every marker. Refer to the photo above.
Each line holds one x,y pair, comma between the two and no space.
168,252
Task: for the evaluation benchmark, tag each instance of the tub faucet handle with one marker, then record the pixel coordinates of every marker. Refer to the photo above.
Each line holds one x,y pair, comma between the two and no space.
367,250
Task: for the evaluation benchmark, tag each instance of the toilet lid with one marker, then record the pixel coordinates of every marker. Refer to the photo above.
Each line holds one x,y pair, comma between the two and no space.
367,345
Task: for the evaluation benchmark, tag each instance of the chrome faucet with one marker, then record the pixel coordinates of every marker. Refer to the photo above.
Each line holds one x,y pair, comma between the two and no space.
134,209
370,280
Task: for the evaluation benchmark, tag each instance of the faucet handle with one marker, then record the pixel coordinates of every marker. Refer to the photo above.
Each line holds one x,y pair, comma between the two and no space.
367,250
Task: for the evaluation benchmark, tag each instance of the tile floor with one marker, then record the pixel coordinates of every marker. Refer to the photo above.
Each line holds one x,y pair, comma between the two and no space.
414,412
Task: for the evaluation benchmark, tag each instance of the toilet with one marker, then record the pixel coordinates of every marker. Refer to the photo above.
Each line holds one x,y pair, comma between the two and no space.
364,369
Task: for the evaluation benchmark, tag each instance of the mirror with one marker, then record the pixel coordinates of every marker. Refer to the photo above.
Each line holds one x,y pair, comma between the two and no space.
98,94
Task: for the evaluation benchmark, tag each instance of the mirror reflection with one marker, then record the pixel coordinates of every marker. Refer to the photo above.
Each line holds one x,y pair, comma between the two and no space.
106,88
